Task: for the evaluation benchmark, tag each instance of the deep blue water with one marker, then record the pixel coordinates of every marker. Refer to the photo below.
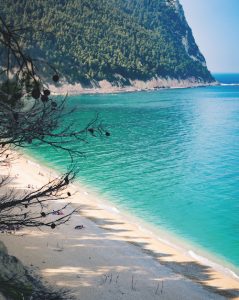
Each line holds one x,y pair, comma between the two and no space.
172,159
227,78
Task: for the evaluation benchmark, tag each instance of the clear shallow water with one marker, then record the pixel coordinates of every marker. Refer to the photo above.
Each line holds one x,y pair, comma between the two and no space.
172,159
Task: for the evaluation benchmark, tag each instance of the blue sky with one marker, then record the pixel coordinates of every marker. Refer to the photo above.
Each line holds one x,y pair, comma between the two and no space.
215,25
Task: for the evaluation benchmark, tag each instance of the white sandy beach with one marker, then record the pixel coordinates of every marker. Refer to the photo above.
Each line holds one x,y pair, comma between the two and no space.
111,258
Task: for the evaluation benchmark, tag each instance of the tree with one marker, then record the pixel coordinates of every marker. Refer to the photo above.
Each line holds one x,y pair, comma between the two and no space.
103,39
30,115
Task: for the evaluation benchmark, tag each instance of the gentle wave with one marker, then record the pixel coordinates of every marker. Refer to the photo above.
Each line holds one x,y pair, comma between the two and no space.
229,84
207,262
109,208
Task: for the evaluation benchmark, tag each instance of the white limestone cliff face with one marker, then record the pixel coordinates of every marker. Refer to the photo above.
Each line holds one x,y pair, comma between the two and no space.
187,38
199,57
104,86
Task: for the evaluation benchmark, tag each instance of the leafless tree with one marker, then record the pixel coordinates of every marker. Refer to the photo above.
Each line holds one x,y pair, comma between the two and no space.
30,115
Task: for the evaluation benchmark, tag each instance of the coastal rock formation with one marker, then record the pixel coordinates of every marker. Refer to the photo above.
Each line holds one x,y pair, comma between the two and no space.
14,278
115,41
19,282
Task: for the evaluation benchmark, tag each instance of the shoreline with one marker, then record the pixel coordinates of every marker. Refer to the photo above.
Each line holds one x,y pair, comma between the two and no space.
105,87
184,246
116,224
178,243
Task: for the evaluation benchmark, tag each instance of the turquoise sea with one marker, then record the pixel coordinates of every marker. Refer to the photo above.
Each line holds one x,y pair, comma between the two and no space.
172,159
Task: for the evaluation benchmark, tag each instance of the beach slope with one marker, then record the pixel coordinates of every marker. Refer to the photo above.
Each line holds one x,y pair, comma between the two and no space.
111,257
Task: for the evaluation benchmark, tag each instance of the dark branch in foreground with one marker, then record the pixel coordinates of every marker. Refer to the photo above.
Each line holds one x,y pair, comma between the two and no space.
31,209
30,116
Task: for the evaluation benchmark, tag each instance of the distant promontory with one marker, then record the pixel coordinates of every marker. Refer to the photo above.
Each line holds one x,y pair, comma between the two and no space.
115,43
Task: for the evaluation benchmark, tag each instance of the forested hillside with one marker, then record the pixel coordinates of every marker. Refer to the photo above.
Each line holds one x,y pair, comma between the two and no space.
92,39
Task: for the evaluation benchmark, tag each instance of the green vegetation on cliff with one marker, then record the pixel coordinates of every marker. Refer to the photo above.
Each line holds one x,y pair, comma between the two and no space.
92,39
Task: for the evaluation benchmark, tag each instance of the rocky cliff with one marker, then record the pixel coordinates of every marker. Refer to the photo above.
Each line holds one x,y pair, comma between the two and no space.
118,41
